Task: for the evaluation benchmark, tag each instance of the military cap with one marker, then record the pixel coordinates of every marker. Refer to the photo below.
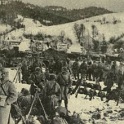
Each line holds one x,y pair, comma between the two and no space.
37,69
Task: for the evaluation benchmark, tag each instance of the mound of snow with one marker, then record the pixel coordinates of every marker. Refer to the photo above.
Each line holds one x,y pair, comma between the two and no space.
75,48
4,28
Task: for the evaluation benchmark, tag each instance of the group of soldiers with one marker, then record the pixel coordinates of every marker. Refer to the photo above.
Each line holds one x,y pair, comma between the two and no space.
107,71
51,81
53,85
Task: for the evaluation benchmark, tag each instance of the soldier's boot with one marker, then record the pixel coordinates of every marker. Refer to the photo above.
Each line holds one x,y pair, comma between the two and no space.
85,97
93,77
76,95
101,98
90,98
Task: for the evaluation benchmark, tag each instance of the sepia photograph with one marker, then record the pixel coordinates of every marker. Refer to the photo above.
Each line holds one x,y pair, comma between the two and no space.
61,61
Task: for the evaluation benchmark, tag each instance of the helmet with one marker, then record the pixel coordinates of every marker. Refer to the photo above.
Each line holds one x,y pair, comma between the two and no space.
37,69
64,69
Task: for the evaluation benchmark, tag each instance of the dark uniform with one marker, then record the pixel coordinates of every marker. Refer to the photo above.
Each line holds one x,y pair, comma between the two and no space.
94,71
36,80
37,63
83,69
51,66
109,81
24,101
89,70
75,69
58,66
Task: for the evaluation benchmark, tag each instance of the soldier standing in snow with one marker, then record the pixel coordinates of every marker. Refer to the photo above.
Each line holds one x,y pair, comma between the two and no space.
53,93
65,82
83,69
89,70
6,89
75,69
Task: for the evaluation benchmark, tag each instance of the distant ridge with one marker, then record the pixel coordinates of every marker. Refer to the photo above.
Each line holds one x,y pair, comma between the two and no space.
49,15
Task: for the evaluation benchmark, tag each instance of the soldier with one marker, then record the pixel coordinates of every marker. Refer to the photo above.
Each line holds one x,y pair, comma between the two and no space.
113,69
100,72
89,70
36,80
51,66
119,79
37,63
53,93
83,69
25,71
47,74
7,89
75,69
109,81
94,71
58,66
65,82
24,100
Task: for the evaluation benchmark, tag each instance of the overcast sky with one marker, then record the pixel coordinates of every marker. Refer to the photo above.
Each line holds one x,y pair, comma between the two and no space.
114,5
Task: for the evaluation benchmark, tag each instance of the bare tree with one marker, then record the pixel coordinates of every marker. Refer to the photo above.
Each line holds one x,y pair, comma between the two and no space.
79,31
94,31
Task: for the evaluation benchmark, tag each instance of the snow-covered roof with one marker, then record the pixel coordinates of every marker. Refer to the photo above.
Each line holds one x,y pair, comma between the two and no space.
75,48
24,46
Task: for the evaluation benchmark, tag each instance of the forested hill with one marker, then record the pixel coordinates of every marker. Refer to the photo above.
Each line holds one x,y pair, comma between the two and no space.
50,15
77,14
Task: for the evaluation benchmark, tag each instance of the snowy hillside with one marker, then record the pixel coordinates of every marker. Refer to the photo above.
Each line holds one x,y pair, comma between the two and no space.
108,25
108,28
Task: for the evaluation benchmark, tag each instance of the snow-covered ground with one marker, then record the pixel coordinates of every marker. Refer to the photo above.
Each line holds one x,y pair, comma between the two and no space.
86,109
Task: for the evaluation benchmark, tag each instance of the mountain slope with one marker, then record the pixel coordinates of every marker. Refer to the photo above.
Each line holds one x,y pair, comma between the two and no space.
108,26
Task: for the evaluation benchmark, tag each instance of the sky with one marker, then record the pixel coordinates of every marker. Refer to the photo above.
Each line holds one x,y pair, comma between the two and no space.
114,5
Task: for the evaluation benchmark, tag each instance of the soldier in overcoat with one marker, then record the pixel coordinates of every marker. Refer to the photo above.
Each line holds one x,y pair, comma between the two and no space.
7,89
